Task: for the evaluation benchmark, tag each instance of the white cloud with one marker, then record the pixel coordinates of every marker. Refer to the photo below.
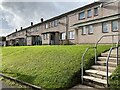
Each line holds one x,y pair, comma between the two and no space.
20,14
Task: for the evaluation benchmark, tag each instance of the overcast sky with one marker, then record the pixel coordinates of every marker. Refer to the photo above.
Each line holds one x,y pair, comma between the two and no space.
14,15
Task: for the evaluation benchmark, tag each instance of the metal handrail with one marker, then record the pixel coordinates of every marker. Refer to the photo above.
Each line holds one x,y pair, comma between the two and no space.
82,63
108,57
96,45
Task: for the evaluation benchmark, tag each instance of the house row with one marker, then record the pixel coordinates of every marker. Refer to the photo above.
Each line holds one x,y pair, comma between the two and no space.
83,25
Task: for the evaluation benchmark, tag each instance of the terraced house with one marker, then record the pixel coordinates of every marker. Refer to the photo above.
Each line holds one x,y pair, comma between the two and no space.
83,25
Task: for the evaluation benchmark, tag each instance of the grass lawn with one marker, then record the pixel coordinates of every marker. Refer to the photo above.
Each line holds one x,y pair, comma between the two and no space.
47,66
115,79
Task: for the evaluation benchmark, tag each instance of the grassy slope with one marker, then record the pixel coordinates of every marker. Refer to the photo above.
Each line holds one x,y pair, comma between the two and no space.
115,79
46,66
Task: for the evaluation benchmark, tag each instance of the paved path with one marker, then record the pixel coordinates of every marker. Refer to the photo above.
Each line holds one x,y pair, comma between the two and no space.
3,85
82,87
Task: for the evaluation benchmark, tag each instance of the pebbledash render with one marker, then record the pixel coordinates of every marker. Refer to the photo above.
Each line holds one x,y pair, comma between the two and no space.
83,25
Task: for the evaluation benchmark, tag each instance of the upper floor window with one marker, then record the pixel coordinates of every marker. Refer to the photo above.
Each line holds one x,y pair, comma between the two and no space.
82,15
96,11
89,13
55,22
46,25
71,35
105,27
115,25
90,29
84,30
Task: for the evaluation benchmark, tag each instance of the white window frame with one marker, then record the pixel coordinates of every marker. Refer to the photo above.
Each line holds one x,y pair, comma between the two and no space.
45,36
90,29
63,35
71,35
84,30
96,14
46,26
105,27
115,28
89,13
83,17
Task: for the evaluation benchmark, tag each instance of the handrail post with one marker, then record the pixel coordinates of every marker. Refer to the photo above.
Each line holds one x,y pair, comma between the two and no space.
95,55
107,64
117,56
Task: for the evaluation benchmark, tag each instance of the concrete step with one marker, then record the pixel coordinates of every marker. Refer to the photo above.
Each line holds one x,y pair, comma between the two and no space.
103,63
102,68
104,59
112,55
97,73
94,82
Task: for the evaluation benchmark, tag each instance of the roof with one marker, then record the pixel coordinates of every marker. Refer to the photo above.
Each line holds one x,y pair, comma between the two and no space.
60,16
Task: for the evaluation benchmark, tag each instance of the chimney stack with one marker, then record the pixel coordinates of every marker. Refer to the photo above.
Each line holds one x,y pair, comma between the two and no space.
16,30
41,20
21,28
31,23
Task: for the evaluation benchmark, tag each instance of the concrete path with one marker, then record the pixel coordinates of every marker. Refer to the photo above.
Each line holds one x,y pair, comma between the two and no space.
82,87
3,85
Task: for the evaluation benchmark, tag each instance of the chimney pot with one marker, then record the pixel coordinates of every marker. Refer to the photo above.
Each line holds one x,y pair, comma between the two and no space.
31,23
41,20
16,30
21,28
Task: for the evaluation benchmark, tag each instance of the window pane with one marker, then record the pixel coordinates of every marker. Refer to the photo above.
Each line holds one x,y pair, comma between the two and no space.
82,15
84,30
105,27
90,29
71,35
89,13
114,25
63,36
55,22
95,11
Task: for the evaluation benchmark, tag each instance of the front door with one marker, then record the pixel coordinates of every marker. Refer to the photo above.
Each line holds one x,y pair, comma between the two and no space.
52,39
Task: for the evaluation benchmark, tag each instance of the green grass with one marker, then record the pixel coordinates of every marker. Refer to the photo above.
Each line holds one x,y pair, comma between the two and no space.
114,80
47,66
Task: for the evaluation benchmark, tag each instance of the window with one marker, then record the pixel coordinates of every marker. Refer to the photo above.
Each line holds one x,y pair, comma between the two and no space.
71,35
84,30
89,13
90,29
82,15
55,22
115,25
46,26
62,36
96,11
37,28
52,24
45,36
105,27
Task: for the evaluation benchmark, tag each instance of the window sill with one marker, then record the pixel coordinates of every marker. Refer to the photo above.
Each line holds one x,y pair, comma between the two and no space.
90,33
83,34
89,17
115,31
105,32
96,15
81,18
71,39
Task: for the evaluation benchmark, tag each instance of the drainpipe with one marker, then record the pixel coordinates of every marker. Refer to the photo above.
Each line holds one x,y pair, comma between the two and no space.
67,24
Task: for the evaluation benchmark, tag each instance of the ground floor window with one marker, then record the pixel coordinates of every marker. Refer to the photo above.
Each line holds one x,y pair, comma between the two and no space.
62,36
45,36
115,25
84,30
105,27
90,29
71,35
